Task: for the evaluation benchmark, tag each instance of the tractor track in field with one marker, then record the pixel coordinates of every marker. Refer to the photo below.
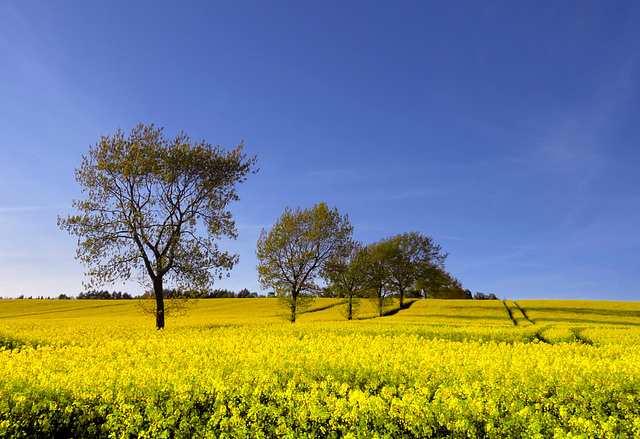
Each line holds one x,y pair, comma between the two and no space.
524,313
504,302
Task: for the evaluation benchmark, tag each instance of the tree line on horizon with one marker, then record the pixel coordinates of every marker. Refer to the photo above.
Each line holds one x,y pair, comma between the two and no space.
325,292
167,294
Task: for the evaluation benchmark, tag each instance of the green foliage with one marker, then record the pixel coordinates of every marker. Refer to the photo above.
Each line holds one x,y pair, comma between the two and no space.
295,251
146,197
347,277
436,283
103,295
376,268
410,256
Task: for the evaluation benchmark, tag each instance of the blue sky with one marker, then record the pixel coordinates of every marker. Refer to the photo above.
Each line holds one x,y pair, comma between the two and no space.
507,131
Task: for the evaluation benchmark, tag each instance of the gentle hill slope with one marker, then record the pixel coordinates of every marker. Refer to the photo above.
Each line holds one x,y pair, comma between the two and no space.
462,313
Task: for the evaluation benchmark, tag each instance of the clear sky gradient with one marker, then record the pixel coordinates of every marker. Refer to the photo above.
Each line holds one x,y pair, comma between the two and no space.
508,131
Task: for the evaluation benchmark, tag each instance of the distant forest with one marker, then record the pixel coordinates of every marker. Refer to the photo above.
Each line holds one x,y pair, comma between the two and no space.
169,293
214,294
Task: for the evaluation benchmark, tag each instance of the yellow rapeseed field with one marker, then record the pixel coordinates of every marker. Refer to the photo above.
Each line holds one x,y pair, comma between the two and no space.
233,368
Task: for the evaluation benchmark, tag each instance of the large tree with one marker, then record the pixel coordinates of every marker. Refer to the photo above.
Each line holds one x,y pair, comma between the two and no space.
293,253
153,208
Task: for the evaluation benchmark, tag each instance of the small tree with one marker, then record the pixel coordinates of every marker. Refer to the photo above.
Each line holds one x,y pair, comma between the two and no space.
347,277
435,282
147,199
293,253
376,270
408,256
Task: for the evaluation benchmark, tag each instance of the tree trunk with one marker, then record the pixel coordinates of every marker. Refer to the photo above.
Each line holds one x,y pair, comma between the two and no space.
294,299
350,308
158,291
401,299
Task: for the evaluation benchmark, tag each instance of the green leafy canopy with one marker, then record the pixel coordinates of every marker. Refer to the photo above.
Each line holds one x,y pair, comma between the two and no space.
294,252
154,207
